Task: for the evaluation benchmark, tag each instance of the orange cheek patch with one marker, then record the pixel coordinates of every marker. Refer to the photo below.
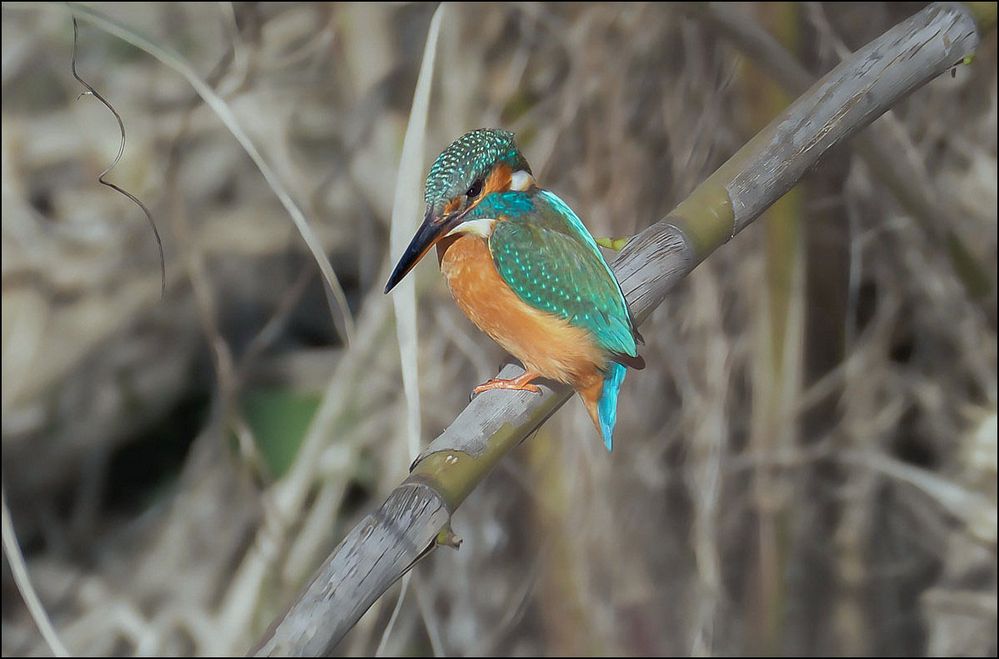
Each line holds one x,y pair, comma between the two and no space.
498,180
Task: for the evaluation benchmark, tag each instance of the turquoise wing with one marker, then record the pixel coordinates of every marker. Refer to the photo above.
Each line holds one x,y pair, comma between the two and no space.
548,258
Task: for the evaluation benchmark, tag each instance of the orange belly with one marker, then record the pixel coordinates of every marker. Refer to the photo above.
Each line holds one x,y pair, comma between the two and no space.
546,344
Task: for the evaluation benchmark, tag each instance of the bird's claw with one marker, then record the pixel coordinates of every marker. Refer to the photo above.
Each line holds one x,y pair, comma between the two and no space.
516,384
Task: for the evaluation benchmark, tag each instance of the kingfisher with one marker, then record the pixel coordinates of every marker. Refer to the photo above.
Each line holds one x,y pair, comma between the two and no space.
525,270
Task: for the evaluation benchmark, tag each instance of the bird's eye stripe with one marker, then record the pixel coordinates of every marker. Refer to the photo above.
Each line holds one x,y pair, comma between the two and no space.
475,189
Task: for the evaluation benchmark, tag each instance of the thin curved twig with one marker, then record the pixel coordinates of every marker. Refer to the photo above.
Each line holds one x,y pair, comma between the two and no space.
23,582
121,150
336,297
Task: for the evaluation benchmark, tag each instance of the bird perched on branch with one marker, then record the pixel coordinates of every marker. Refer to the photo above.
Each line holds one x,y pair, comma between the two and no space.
523,268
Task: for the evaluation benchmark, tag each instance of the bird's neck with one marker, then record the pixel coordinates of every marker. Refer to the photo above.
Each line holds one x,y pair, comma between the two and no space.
503,178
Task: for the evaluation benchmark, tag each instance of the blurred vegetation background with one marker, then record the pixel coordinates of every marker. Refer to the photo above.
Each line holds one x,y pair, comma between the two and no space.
807,466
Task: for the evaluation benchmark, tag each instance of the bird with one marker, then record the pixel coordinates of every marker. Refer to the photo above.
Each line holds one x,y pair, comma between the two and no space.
522,266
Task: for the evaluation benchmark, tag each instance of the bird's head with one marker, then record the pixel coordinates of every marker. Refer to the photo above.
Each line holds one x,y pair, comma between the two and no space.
475,165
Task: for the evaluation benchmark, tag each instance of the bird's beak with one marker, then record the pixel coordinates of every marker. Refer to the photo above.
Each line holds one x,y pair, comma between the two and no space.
431,231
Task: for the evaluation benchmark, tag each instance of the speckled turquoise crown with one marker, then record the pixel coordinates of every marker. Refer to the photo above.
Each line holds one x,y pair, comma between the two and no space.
470,157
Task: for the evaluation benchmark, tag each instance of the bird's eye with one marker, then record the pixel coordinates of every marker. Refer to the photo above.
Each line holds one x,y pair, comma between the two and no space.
474,191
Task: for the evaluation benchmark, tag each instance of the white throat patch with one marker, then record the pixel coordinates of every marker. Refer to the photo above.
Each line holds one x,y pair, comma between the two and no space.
482,227
521,180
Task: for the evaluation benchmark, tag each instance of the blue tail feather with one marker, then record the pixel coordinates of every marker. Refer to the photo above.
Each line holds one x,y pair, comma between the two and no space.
607,405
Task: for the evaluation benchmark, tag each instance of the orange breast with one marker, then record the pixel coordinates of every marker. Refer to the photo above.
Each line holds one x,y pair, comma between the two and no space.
546,344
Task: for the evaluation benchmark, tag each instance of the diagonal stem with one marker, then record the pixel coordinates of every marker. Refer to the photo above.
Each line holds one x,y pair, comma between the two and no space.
416,514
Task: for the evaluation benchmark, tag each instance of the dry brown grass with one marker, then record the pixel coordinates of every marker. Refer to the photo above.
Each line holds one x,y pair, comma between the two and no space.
148,531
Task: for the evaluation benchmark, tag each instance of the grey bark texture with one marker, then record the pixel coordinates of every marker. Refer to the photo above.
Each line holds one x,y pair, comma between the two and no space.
399,532
854,94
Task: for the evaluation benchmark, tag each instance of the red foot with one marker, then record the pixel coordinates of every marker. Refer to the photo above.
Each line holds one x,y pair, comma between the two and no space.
522,383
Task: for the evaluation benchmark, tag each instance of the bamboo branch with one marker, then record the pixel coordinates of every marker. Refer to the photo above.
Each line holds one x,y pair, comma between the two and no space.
415,517
880,147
